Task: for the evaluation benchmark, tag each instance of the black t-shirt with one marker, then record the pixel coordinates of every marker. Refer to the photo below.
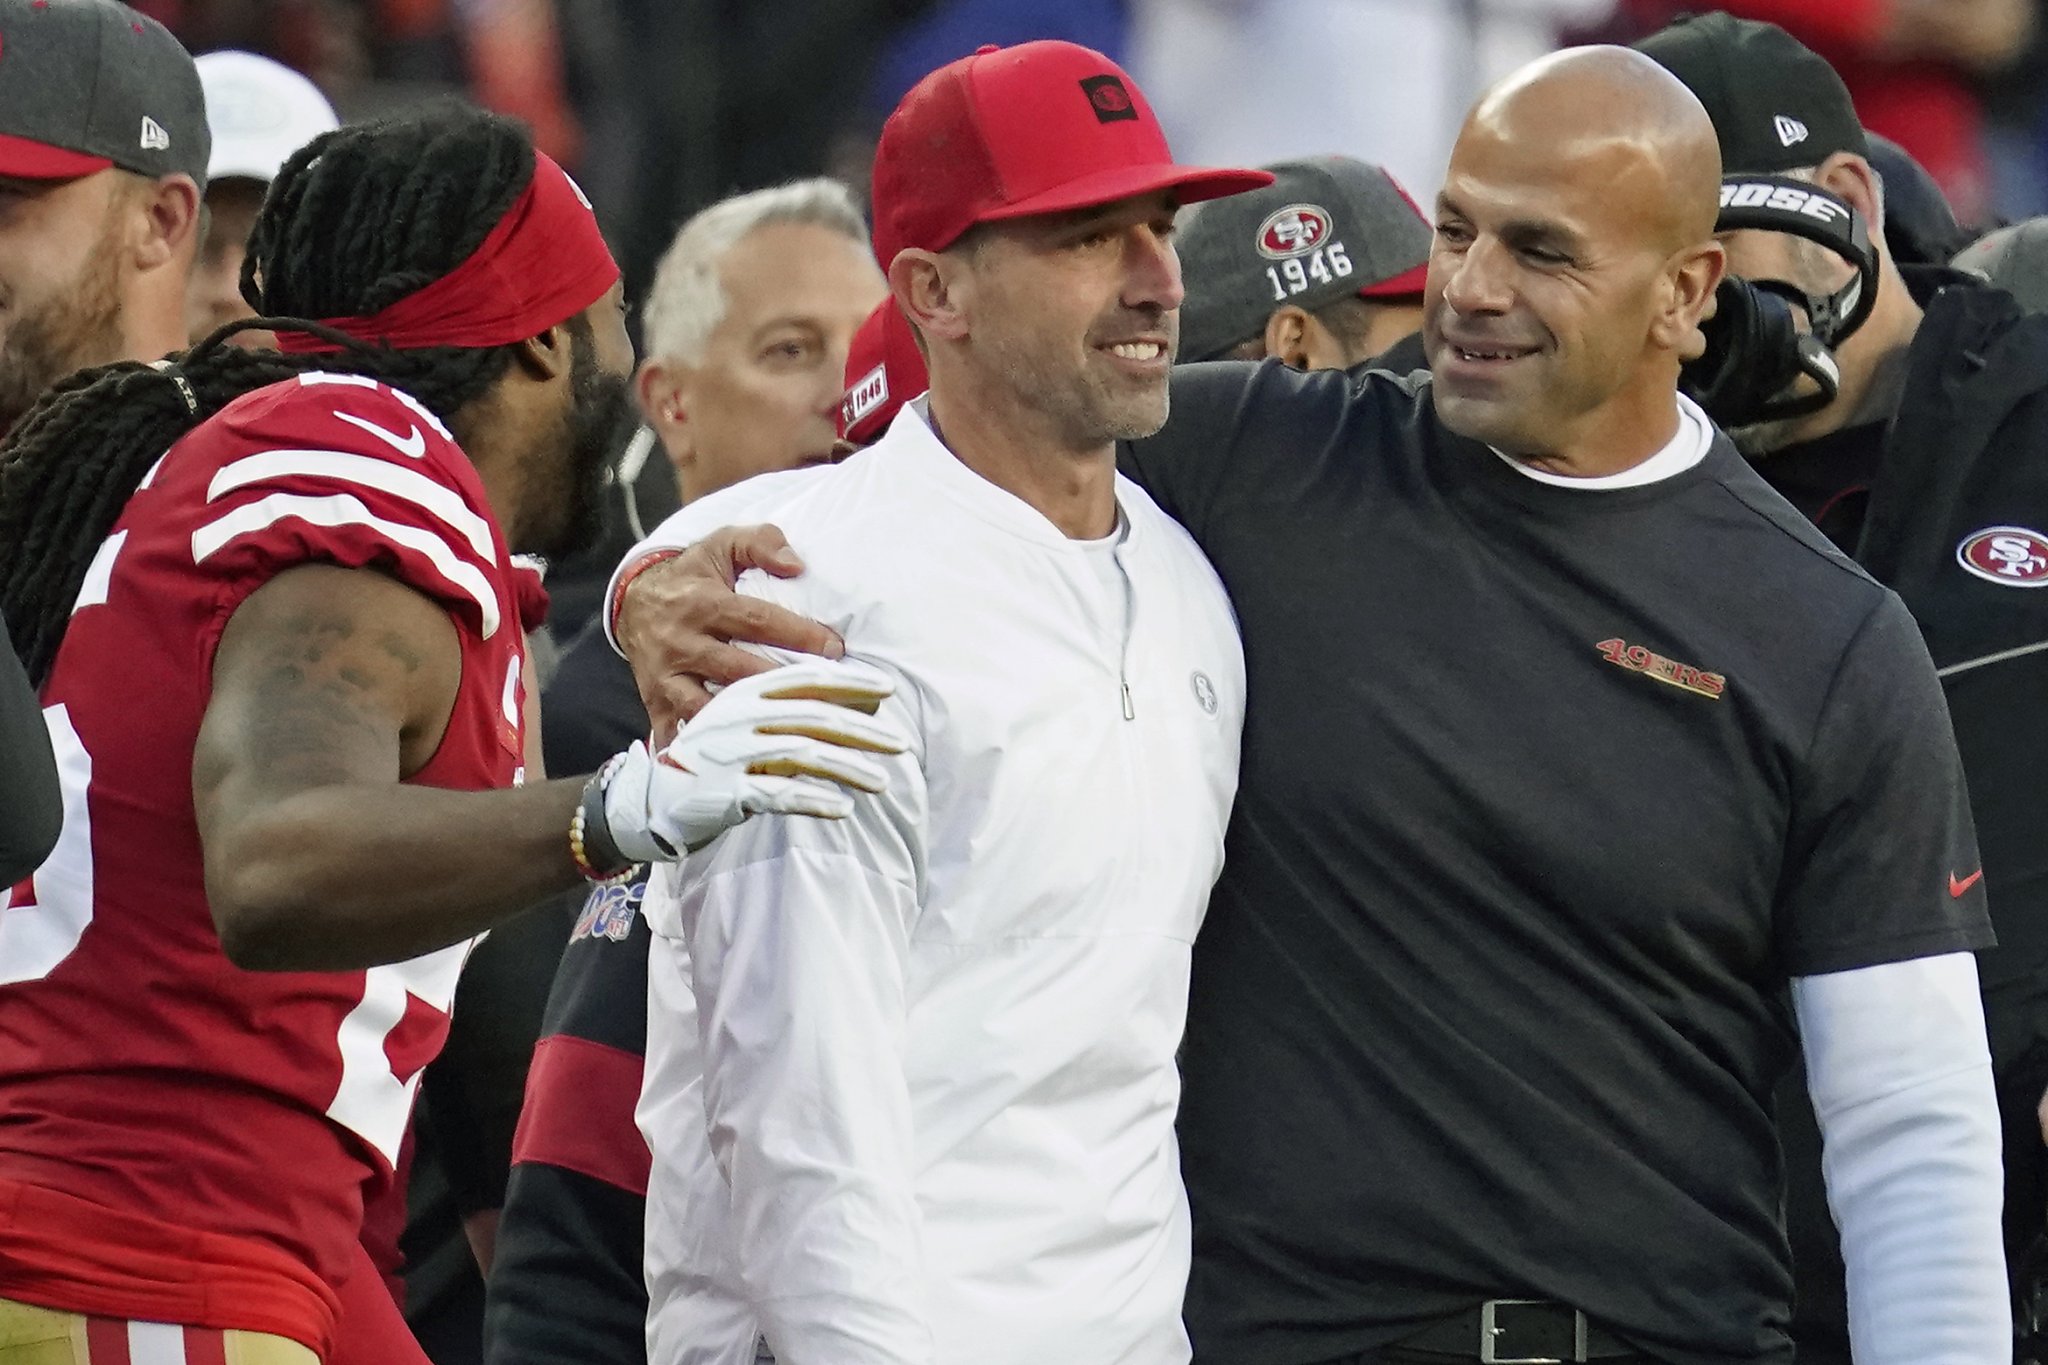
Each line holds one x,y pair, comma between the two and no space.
1545,794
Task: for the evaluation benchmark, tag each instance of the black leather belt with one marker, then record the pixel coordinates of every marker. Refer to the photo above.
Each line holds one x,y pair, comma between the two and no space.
1519,1332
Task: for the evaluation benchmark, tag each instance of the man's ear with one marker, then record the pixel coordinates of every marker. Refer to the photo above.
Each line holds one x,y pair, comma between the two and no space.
935,291
1848,176
1691,280
168,213
658,386
1287,336
546,356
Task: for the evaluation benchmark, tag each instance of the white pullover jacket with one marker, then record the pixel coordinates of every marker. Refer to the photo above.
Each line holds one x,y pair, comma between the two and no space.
910,1079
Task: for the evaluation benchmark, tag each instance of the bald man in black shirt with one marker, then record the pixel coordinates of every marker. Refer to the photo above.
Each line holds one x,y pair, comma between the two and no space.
1583,781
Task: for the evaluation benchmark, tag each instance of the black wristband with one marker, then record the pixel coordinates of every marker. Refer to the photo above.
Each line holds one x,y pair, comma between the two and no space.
598,847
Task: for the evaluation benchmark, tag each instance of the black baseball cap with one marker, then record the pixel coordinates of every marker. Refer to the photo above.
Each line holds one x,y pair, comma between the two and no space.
1775,103
1326,228
89,84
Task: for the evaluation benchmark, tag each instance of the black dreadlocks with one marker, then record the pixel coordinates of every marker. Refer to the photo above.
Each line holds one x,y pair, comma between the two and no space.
355,221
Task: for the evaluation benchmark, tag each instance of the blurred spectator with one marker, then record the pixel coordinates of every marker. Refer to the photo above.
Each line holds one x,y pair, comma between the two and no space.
1913,68
2015,259
748,331
1322,269
260,112
98,226
1238,81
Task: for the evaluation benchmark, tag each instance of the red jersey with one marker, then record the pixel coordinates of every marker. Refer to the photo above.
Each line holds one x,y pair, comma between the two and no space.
182,1140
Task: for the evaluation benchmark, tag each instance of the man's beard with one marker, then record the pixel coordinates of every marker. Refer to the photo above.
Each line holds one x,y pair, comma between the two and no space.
1087,410
73,329
601,418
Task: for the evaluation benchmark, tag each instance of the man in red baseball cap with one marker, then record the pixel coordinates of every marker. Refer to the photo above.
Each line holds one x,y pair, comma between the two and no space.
928,1114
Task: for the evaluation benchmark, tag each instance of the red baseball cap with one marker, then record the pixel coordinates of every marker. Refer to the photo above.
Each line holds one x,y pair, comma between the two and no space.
884,370
1042,127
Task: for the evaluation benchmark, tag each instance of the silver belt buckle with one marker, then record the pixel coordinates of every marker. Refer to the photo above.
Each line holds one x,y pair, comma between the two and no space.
1490,1331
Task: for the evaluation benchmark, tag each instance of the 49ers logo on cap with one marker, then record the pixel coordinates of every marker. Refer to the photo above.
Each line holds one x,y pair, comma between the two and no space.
1294,231
1108,98
2011,555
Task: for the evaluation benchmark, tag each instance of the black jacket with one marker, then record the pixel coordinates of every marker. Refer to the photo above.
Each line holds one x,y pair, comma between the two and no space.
1965,452
31,807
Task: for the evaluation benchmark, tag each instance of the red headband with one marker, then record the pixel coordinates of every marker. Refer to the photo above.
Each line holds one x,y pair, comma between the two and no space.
542,264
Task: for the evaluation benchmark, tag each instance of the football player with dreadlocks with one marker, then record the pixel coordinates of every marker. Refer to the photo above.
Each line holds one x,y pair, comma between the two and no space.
267,599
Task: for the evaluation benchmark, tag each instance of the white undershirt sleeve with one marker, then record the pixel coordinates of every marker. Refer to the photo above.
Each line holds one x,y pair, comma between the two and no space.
1900,1075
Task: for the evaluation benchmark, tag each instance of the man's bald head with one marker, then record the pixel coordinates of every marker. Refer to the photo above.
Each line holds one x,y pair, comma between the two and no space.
1614,116
1574,256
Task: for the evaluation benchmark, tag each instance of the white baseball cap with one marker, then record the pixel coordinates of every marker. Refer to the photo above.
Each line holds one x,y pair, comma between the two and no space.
259,112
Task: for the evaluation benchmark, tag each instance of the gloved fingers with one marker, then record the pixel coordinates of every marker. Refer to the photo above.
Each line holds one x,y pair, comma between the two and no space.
845,683
795,756
831,723
770,795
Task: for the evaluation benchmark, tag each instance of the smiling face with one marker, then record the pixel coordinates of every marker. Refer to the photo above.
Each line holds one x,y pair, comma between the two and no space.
1571,260
1076,316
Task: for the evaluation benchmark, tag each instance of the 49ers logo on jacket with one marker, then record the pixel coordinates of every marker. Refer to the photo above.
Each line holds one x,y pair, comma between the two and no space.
1294,231
2011,555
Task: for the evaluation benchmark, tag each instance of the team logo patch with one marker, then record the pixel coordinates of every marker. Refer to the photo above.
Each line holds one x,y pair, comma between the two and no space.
1205,691
1108,98
609,913
865,396
2010,555
1294,231
1637,659
1791,132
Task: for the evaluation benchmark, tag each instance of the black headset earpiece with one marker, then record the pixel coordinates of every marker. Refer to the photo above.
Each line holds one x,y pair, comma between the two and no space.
1756,349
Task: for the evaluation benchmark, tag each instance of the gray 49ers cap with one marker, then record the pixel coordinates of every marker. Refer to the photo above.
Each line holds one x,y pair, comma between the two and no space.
88,84
1327,227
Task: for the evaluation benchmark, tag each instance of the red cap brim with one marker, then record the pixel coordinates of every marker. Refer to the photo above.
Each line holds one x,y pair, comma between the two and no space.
1405,283
26,160
1194,183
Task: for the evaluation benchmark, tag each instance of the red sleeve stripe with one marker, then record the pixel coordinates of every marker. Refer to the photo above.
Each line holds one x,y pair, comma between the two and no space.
579,1112
343,510
436,499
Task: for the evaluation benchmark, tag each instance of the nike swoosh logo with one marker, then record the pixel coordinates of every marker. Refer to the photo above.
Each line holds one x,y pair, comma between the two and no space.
1956,887
412,447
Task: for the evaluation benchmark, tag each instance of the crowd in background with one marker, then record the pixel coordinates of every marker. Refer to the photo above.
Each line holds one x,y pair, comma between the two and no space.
764,92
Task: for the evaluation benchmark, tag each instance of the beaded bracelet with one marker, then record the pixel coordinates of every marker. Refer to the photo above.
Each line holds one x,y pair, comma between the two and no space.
589,834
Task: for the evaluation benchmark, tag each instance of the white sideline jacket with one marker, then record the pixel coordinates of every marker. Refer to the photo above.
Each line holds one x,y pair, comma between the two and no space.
910,1081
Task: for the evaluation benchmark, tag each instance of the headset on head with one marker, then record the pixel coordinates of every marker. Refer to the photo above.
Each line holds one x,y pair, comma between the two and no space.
1756,350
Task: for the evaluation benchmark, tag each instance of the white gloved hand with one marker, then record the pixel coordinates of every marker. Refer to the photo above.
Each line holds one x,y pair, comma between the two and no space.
773,743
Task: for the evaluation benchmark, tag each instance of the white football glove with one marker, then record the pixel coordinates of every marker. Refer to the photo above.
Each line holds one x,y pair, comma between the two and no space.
773,743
